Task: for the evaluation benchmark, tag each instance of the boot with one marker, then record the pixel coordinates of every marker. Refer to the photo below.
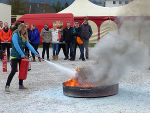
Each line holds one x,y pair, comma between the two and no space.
53,57
22,87
48,59
56,57
7,90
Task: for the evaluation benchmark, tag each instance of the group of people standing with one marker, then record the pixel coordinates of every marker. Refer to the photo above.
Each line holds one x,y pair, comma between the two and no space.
60,38
66,39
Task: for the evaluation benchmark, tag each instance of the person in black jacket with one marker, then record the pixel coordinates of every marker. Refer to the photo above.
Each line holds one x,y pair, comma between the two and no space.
77,32
61,42
86,33
68,39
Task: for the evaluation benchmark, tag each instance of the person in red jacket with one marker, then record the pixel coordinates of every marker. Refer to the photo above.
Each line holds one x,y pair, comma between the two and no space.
6,36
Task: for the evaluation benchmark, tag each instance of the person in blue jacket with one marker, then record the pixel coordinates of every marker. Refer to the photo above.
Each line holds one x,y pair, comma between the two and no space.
34,36
19,42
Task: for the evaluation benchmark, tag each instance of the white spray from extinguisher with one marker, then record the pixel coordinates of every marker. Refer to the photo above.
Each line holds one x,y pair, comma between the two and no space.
62,69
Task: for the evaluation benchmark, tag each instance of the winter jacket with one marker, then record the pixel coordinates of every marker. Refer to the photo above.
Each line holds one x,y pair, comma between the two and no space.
86,31
5,35
55,36
46,35
62,37
18,46
76,32
34,36
68,35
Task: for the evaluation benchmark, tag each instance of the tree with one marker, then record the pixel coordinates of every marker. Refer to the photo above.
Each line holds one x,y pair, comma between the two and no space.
17,7
66,4
57,6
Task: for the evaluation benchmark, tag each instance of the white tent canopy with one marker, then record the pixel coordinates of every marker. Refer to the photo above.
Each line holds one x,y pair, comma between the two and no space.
81,8
5,13
86,8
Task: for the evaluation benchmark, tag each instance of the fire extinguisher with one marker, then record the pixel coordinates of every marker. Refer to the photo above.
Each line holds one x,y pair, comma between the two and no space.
24,67
4,62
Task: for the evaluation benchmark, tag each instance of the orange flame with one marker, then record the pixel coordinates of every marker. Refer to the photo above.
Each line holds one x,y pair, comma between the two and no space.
74,83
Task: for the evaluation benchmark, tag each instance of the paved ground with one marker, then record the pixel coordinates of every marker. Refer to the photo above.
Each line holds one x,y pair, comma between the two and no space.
45,93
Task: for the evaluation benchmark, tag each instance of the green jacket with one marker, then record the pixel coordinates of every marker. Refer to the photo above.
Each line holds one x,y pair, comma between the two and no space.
14,52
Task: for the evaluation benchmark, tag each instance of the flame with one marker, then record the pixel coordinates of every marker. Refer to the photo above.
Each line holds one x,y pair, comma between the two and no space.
74,83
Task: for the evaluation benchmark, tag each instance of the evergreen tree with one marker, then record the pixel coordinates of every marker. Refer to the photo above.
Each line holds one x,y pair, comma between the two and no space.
66,4
58,6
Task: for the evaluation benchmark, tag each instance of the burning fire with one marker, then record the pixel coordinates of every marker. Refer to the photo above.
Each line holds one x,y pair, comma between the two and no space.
74,83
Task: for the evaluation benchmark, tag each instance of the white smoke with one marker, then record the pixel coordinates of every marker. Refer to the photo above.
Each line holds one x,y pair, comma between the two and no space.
119,53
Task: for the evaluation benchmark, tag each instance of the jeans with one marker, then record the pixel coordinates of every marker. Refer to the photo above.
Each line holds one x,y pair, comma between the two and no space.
69,47
45,48
14,63
55,49
35,46
6,46
81,47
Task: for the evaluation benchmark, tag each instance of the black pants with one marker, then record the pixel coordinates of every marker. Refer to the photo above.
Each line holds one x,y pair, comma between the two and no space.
69,48
35,46
45,48
14,63
63,46
6,46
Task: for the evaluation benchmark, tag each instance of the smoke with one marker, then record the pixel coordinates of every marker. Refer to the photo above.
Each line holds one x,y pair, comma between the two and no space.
62,69
119,53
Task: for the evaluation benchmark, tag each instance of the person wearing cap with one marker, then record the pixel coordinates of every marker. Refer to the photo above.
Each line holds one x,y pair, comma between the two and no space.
19,42
86,33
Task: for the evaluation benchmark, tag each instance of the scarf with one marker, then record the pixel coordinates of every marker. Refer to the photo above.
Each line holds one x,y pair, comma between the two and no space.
46,29
5,29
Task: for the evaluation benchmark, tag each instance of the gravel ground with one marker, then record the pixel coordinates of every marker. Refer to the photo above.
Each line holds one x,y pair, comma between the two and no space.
44,93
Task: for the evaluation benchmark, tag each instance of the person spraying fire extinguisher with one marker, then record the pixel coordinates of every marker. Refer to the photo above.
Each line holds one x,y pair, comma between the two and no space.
19,42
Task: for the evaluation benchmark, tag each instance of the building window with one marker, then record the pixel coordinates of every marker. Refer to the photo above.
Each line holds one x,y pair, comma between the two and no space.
114,2
120,2
126,2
